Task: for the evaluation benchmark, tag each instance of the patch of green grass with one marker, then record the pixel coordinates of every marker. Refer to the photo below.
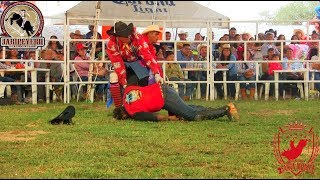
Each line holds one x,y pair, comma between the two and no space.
97,146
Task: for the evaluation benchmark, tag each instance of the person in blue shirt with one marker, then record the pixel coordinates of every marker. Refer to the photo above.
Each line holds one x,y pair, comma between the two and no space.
289,63
185,54
89,35
226,55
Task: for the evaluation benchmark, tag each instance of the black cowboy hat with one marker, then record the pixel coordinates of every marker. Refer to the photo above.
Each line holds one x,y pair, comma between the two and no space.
65,117
272,31
121,29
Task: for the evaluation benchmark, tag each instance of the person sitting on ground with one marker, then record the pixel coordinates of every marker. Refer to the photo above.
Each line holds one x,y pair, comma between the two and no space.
131,58
141,103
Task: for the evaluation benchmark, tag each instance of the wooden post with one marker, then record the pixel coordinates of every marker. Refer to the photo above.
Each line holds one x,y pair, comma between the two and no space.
93,49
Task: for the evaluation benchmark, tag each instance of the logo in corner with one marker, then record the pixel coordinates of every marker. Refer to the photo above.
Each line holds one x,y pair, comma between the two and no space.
22,24
296,148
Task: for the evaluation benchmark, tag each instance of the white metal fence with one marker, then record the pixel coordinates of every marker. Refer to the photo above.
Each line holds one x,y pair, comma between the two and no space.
207,25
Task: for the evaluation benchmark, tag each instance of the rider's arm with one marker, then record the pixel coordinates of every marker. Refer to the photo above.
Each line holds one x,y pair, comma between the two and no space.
146,116
117,62
146,55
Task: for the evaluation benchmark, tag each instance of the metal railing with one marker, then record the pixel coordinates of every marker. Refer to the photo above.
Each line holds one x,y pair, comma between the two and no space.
209,63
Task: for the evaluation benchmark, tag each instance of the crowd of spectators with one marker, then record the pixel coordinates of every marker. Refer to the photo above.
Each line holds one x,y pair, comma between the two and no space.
232,52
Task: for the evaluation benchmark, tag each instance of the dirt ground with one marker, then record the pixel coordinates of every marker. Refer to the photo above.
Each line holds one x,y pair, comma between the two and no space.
267,113
14,136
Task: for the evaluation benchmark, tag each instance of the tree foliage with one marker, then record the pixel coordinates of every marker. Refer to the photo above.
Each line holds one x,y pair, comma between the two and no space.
298,10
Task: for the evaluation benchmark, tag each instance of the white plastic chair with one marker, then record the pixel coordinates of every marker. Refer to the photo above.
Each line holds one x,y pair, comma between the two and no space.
76,77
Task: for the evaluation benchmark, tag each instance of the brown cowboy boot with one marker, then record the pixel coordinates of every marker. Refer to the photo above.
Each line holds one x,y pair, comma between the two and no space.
14,98
98,97
244,94
58,92
252,90
186,98
233,112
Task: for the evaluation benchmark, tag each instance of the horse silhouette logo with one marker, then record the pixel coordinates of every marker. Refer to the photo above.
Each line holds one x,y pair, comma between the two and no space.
21,19
296,148
23,23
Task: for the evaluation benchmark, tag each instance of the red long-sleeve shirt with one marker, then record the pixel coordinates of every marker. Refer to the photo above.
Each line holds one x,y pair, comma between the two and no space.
118,52
138,99
153,52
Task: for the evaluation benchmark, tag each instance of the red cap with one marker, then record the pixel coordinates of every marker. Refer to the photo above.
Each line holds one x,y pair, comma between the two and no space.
79,46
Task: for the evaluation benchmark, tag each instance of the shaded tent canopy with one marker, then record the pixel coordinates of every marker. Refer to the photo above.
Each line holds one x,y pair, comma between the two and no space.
173,11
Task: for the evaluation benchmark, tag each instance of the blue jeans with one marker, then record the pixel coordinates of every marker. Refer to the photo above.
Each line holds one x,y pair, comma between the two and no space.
243,85
203,86
316,77
15,89
281,85
189,87
173,103
99,87
232,86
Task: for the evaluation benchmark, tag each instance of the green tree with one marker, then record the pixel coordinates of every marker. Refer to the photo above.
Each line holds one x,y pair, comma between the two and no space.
298,10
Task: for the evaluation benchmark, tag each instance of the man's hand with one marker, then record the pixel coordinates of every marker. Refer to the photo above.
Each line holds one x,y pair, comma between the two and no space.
161,117
173,118
158,78
124,86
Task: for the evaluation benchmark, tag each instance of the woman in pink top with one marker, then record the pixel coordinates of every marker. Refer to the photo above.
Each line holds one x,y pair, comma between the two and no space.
82,67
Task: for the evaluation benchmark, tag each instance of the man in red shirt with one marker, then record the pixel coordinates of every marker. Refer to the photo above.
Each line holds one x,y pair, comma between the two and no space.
131,59
151,36
141,103
130,55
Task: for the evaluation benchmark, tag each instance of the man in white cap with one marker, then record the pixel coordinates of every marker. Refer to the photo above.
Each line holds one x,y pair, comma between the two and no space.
183,35
151,36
